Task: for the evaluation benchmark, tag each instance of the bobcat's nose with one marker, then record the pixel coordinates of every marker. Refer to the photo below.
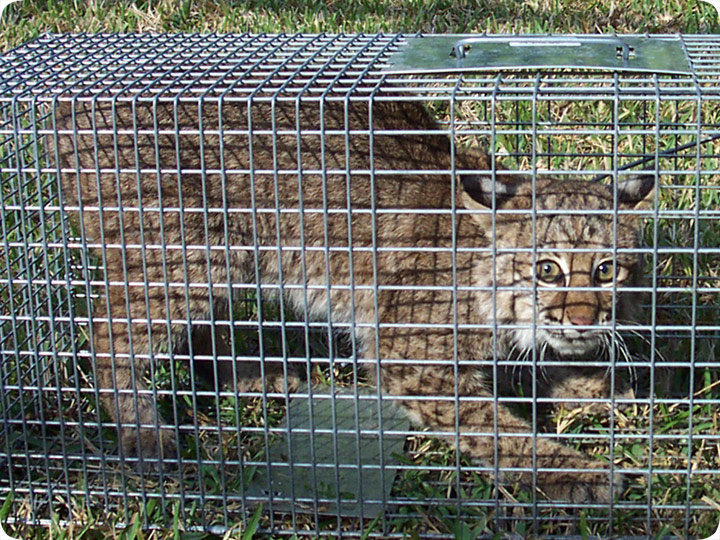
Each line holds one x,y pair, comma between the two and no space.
580,319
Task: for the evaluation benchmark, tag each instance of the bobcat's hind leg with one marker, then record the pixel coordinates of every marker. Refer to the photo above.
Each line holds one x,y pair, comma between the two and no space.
123,354
143,328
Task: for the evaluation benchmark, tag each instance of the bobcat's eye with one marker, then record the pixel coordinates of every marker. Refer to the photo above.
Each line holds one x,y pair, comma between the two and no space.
604,272
549,272
607,271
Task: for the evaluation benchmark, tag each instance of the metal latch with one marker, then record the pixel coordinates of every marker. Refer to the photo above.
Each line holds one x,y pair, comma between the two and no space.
485,53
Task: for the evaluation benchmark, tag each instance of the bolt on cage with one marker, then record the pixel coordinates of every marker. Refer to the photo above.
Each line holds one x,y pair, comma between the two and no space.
333,454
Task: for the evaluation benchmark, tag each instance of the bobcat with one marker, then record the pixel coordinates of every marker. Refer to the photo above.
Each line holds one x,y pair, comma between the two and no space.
328,204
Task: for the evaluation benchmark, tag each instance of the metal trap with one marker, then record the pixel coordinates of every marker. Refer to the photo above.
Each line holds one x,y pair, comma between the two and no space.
161,363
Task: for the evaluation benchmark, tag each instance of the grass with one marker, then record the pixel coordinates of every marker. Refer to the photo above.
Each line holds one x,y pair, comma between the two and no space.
30,18
430,474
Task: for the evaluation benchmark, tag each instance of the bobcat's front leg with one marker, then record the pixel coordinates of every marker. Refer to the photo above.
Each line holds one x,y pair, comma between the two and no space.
561,472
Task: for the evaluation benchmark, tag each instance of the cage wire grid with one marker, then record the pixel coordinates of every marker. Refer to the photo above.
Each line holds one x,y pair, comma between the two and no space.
327,452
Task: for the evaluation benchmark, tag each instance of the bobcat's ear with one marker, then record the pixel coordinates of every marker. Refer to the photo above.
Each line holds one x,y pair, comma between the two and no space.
483,192
637,193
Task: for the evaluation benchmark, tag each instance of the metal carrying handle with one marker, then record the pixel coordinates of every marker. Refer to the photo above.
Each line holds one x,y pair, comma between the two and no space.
463,46
642,54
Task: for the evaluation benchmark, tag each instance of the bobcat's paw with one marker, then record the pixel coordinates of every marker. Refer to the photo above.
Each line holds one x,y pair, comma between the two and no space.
151,447
250,379
582,487
597,409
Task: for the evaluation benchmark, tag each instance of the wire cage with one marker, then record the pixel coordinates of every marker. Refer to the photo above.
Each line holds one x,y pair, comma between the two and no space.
277,281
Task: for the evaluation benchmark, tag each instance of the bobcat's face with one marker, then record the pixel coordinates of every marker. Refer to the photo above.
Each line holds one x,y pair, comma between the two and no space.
568,300
561,267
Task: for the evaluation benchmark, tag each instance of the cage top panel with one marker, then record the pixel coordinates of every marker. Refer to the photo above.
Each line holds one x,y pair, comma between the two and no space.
246,66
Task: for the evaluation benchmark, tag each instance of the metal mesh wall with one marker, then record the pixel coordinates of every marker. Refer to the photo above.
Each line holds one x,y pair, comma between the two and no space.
128,165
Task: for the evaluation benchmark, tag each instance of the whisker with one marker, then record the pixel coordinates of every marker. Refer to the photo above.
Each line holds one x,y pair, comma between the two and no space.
522,365
624,352
516,372
543,368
